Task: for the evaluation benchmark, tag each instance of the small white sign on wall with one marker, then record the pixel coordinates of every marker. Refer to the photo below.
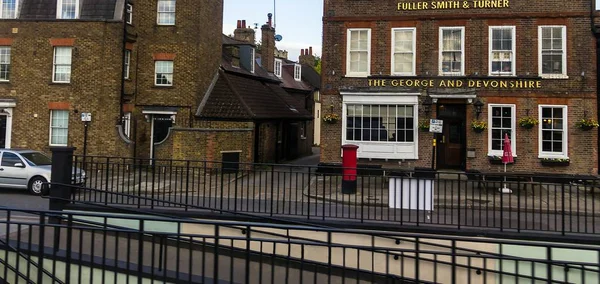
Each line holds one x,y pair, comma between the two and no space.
436,125
86,116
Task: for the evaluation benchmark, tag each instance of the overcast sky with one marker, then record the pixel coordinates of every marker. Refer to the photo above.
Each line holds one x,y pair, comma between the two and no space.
299,22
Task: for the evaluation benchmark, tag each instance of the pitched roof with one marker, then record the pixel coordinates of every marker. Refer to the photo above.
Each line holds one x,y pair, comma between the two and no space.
237,96
89,10
289,82
310,75
227,40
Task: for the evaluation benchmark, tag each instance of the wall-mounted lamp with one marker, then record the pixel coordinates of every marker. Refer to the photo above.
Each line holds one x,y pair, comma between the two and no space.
478,105
427,102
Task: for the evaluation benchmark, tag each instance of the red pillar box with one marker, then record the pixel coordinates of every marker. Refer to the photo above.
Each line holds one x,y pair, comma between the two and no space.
349,162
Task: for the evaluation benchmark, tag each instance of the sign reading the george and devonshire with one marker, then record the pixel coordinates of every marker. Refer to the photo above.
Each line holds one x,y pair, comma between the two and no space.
453,4
513,84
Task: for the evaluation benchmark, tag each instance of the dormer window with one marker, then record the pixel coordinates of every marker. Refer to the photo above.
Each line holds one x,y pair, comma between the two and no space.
252,59
297,72
67,9
9,9
278,64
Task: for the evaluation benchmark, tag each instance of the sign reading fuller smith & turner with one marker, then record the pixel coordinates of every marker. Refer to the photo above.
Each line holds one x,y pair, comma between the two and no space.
453,4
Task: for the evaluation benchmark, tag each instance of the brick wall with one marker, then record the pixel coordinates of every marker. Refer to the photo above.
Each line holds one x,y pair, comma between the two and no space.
94,87
578,91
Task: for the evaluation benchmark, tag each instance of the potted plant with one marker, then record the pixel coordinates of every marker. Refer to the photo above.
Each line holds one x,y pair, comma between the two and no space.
478,126
552,162
424,125
528,122
331,118
586,123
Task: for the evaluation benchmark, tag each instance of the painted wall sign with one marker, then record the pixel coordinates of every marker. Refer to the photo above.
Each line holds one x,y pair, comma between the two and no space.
453,4
512,84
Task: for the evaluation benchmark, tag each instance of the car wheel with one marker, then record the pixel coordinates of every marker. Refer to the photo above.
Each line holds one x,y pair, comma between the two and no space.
36,185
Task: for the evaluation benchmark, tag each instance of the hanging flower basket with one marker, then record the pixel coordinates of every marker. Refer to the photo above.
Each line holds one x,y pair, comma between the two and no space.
555,162
424,126
586,124
331,118
528,122
478,126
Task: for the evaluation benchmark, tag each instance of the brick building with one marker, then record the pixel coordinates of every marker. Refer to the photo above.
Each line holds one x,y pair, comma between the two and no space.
133,65
389,68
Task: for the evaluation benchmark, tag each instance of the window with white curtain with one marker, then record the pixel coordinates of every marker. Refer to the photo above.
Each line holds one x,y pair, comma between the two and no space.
502,51
452,51
9,8
67,9
61,73
163,73
403,51
166,12
4,63
358,52
59,127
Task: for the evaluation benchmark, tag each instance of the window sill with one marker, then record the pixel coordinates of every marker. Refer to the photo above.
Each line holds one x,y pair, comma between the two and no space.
5,82
60,83
165,25
163,87
555,77
357,75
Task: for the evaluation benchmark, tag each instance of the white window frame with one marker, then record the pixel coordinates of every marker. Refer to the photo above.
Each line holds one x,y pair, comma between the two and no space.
158,12
6,63
383,149
156,73
563,75
414,52
297,72
513,58
59,6
54,65
278,67
127,63
16,15
513,130
462,46
349,73
564,154
127,124
252,60
52,112
129,14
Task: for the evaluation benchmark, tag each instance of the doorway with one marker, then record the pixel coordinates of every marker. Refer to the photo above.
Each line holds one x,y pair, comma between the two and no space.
451,142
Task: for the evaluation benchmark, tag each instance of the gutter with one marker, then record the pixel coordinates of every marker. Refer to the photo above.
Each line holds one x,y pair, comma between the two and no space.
123,49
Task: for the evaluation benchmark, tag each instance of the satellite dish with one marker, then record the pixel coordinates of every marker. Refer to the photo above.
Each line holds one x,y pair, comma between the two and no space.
278,37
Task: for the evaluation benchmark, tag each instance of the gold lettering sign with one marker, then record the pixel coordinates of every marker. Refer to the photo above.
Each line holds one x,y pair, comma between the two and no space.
511,84
453,4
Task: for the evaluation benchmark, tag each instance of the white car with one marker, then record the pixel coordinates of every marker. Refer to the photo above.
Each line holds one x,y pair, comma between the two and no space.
29,169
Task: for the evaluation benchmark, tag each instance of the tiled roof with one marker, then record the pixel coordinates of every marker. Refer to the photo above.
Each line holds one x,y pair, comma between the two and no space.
287,76
310,75
89,10
238,96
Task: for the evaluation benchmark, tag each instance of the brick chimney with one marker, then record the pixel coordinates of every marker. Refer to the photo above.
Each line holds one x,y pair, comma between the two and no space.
243,32
267,51
307,57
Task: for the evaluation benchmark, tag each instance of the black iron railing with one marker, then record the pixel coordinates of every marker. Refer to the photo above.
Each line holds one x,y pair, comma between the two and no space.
92,247
560,205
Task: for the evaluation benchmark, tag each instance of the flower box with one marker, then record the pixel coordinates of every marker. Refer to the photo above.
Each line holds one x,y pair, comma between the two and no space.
586,124
478,126
555,162
497,160
528,122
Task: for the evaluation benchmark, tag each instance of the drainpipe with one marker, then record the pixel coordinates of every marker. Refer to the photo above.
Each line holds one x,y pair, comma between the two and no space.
124,48
595,32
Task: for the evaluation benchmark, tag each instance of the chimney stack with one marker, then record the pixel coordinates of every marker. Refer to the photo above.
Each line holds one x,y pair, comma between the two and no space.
244,33
268,45
307,57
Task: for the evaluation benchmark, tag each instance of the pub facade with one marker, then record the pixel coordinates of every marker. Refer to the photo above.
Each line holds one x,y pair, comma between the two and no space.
482,69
